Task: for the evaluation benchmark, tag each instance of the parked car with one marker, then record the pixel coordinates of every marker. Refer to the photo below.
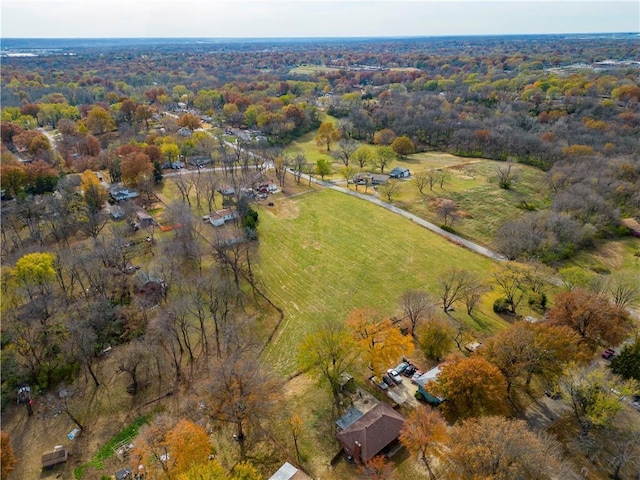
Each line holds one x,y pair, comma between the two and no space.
395,376
409,371
402,367
376,381
388,380
608,353
417,374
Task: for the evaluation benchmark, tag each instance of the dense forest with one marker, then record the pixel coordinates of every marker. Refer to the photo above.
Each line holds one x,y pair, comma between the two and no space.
77,283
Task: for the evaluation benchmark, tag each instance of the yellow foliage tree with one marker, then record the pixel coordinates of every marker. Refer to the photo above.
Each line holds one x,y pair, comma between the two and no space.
380,340
94,193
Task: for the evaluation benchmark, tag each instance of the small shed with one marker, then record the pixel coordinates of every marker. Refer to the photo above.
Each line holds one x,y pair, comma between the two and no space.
371,433
377,179
289,472
58,455
144,219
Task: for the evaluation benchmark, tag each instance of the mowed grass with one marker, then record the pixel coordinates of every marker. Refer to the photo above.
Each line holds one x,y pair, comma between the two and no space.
325,253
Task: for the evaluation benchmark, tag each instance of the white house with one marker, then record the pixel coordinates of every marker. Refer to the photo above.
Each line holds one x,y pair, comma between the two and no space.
219,217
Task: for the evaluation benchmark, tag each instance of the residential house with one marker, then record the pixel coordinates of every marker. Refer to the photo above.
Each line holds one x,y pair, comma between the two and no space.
219,217
123,193
424,380
400,172
289,472
371,433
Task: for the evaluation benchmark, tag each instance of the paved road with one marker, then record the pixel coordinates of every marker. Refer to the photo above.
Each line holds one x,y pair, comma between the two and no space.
420,221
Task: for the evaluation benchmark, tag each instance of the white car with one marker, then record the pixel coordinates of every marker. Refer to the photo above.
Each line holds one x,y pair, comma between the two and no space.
395,376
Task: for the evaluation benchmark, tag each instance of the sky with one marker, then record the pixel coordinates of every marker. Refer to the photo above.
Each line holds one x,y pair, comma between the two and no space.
311,18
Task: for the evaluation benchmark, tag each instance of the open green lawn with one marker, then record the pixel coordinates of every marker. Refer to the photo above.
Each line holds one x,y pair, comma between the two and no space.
323,254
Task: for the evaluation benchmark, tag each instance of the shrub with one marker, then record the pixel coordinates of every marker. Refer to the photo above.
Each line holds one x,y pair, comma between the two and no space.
501,305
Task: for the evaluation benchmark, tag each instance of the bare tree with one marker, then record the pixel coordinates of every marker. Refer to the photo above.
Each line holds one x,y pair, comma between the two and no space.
346,147
389,189
453,284
134,362
448,211
242,393
421,180
417,306
184,184
625,289
506,176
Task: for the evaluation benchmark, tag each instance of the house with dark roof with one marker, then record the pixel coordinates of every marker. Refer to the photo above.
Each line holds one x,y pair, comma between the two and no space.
289,472
371,433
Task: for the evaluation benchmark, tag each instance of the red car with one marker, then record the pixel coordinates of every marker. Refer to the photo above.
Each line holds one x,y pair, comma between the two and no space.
608,353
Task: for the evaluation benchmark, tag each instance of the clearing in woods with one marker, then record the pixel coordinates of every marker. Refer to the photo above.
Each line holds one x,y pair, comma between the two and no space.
339,253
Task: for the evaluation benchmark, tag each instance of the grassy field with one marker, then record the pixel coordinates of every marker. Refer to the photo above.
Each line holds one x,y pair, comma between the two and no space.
323,254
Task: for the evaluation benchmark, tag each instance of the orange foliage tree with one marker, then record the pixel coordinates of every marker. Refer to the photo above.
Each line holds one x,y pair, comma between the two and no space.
172,448
377,468
596,320
7,456
472,387
425,432
499,448
136,167
380,340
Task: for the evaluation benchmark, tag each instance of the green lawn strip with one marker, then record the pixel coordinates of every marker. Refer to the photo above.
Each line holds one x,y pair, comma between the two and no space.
341,253
107,449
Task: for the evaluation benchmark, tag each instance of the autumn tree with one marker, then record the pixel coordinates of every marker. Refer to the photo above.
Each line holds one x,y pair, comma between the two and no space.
95,195
425,433
13,179
99,121
497,448
382,157
435,338
384,137
242,393
135,168
377,468
189,121
173,449
403,146
328,352
597,321
472,387
327,134
379,339
596,396
7,455
35,275
171,152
